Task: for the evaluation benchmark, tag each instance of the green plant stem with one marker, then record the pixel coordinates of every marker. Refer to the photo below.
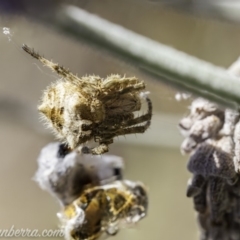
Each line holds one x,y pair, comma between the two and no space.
167,64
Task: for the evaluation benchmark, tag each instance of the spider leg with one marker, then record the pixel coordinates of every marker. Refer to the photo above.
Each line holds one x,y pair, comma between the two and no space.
101,149
129,122
133,121
115,82
119,130
142,118
137,87
123,126
129,89
54,66
61,71
136,129
84,138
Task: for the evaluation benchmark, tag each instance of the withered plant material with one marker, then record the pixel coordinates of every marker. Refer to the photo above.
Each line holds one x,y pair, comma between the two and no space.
92,108
94,197
60,172
212,138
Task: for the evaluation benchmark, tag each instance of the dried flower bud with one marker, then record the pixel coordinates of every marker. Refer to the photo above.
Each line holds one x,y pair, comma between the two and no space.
200,200
218,199
201,108
94,197
188,145
212,138
208,160
65,175
195,185
230,119
205,128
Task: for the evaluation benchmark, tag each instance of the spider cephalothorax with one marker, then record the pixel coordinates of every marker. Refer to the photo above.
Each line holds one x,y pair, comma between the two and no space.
92,108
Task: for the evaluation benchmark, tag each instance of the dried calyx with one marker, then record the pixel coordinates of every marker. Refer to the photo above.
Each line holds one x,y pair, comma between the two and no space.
212,138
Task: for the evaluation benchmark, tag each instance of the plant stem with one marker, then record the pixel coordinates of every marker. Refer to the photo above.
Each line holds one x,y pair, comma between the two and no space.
167,64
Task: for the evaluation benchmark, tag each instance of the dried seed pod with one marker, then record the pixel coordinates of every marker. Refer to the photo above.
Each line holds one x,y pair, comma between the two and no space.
237,147
185,125
231,117
218,199
236,210
94,197
224,143
188,145
65,175
204,225
234,227
201,108
200,200
212,139
207,160
235,189
205,128
195,185
218,232
101,210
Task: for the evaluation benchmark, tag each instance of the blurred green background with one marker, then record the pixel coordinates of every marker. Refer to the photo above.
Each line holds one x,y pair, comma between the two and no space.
153,158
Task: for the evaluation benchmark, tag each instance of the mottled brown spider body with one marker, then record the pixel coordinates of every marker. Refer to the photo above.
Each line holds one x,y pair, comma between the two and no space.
92,108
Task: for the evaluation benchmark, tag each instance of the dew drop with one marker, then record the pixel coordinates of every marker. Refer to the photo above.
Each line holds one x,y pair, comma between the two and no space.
182,96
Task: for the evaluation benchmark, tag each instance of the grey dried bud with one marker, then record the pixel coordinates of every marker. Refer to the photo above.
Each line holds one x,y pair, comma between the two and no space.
201,108
224,143
237,210
212,138
65,175
94,197
237,147
185,125
235,189
195,185
218,199
203,223
208,160
205,128
200,200
234,233
230,119
188,145
218,232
